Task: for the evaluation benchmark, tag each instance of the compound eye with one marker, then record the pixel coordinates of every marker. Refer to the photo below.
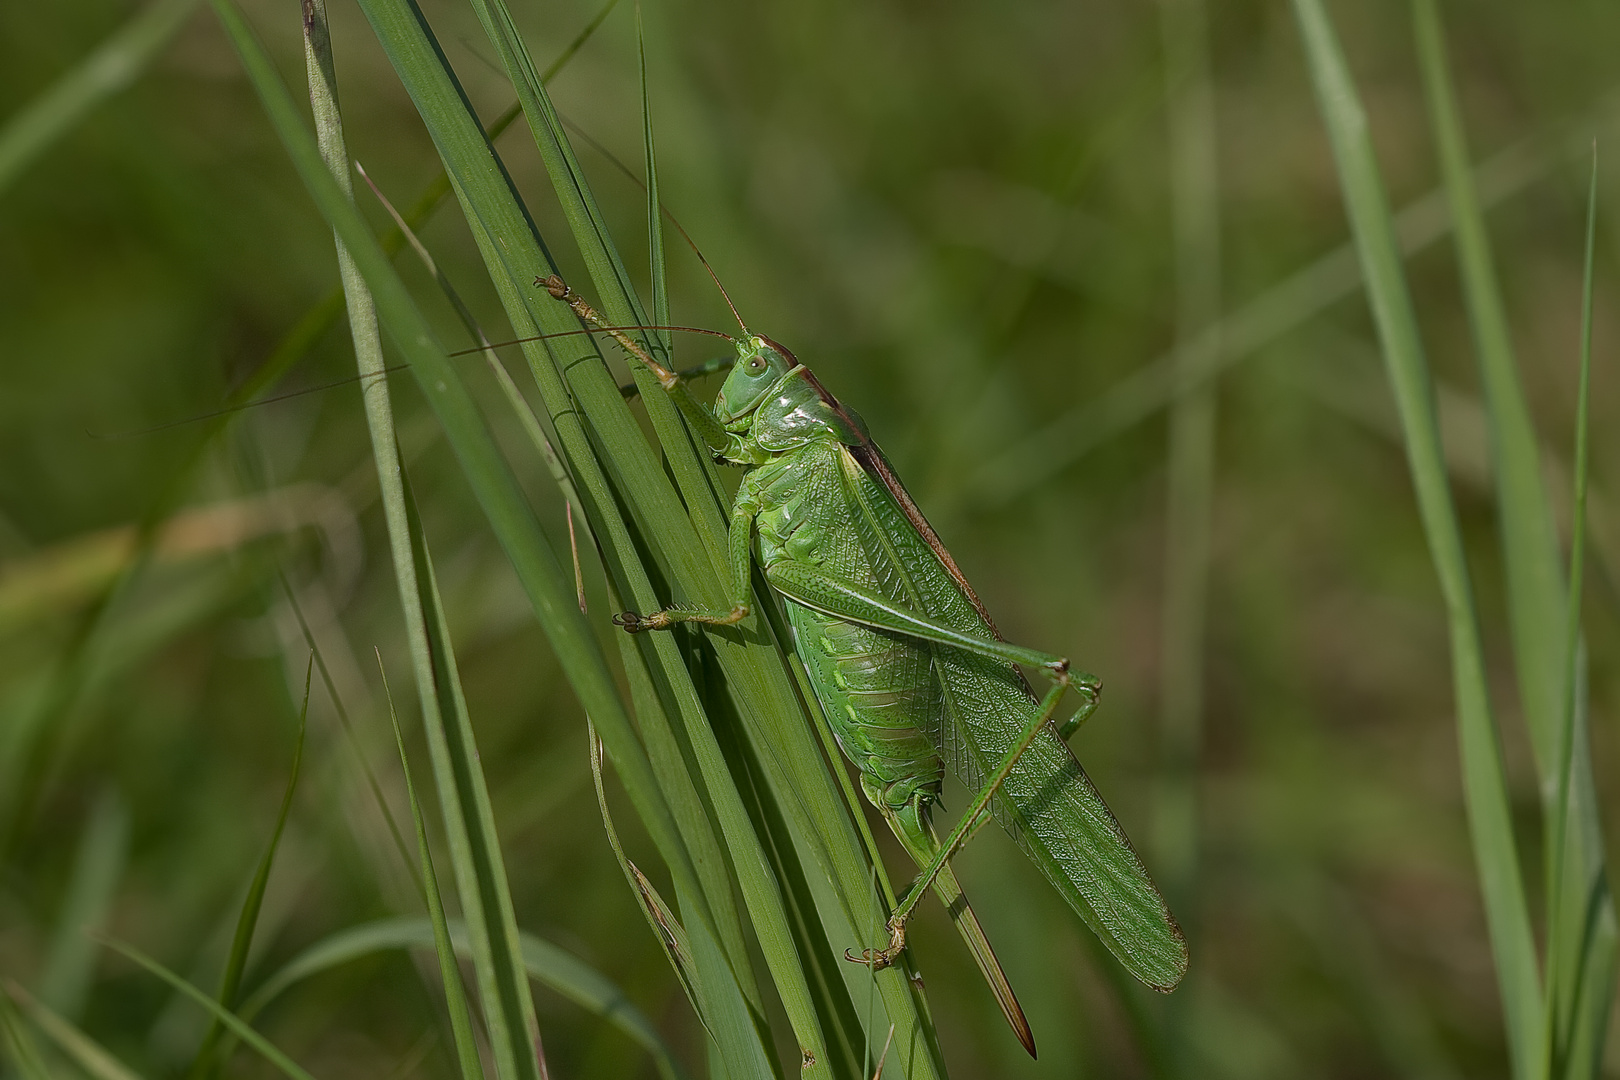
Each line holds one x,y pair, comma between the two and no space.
757,364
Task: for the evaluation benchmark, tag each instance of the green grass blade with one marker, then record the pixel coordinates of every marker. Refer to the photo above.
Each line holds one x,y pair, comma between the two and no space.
350,736
221,1015
549,964
97,867
230,983
1581,943
1529,535
1484,781
1190,488
109,69
1580,962
19,1042
85,1052
1191,454
655,216
666,928
486,901
455,994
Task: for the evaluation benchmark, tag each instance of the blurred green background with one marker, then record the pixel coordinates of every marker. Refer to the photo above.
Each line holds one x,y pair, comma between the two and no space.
961,215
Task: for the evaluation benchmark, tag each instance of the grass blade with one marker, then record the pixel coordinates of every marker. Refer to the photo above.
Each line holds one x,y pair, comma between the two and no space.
455,994
667,930
110,68
242,940
486,901
544,961
1581,936
1190,483
1580,958
1529,536
1484,780
19,1041
222,1016
1191,467
98,865
88,1054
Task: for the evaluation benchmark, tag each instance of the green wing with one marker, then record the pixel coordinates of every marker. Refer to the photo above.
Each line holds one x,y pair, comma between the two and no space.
1047,804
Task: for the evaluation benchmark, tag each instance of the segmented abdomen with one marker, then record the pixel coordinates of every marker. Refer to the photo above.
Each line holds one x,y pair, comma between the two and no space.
880,696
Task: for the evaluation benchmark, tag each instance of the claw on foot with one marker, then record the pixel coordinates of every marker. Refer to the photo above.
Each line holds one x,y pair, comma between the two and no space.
878,959
635,624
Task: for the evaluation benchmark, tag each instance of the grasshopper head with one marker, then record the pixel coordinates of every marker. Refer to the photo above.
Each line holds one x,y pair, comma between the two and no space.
760,365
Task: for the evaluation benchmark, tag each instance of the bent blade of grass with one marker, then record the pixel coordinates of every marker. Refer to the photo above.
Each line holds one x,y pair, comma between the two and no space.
87,1053
205,1062
110,68
667,930
1485,790
1529,535
1581,938
221,1015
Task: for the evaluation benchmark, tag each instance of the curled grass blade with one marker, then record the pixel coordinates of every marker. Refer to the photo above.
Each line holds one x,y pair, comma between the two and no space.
1485,789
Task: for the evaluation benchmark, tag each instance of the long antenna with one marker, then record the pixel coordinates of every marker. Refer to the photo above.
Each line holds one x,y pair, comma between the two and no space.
622,167
389,370
594,328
